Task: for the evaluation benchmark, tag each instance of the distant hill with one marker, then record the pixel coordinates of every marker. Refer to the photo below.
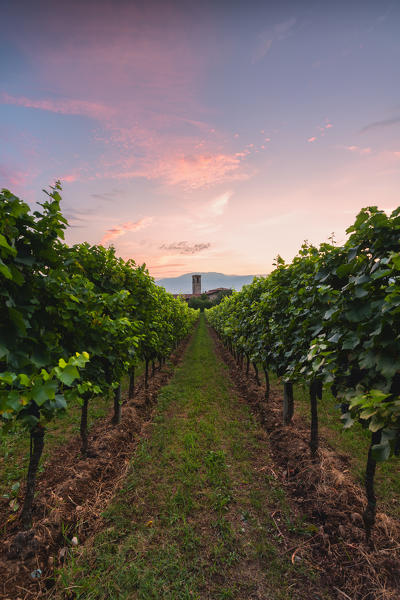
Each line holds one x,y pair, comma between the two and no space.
209,281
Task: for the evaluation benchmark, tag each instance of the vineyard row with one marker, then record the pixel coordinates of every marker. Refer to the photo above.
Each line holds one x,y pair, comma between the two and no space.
73,322
330,318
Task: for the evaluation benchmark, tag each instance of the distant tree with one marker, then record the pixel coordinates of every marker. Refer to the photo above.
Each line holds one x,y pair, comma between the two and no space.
201,302
204,301
221,295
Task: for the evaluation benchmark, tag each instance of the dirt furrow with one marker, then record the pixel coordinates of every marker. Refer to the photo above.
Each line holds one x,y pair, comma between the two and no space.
73,491
326,494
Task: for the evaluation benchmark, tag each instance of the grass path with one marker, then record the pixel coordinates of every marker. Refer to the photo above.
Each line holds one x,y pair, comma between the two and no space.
200,515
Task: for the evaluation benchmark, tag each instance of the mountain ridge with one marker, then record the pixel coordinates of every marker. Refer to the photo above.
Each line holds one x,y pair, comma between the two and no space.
209,280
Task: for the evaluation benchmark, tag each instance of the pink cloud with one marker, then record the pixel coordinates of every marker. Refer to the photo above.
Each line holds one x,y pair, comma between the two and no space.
322,130
138,72
93,110
202,170
13,179
69,178
119,230
358,150
131,56
193,171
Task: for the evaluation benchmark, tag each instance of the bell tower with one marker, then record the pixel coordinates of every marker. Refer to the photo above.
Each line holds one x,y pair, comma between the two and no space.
196,284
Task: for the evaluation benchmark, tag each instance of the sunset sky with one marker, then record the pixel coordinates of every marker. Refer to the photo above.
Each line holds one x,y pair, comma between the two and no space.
202,136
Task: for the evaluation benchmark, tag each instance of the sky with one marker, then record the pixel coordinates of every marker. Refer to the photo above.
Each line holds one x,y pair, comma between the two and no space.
202,136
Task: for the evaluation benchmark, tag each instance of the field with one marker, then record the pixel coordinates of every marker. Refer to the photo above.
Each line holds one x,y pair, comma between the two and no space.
205,502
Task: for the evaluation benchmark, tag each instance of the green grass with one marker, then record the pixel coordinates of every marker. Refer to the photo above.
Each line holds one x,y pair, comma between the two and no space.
14,445
353,443
193,519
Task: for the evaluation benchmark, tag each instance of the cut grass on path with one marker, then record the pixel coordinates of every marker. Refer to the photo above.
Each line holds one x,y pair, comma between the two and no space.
200,515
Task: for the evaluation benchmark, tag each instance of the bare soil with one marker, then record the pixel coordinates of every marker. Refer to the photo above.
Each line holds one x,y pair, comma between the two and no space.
72,492
324,492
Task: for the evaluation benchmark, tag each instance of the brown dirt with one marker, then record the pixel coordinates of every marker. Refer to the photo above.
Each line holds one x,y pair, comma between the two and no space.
325,493
72,492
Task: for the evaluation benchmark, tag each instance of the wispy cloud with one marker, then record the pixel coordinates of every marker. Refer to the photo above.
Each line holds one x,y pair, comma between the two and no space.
140,81
12,178
108,196
185,247
69,178
80,218
191,171
279,32
65,106
322,130
119,230
218,206
358,150
381,124
202,170
149,152
263,47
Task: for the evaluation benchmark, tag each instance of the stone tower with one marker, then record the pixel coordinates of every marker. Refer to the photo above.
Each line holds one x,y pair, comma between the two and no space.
196,284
